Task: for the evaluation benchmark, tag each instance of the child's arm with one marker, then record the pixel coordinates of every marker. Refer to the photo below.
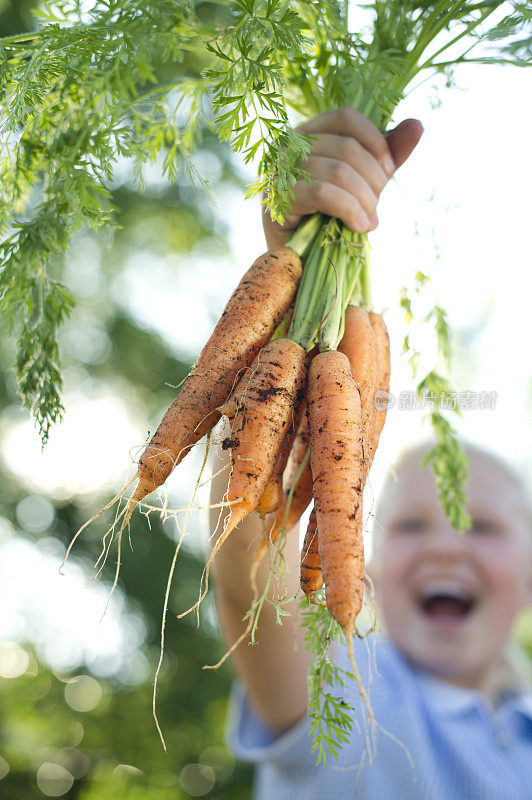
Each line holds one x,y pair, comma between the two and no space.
274,670
351,162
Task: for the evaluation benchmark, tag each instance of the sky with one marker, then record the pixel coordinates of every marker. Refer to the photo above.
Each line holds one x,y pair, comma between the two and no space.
459,210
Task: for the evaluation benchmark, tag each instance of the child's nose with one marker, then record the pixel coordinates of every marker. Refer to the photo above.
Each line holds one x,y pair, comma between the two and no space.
446,542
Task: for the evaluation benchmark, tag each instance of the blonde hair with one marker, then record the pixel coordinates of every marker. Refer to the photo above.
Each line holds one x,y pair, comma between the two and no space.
516,667
413,456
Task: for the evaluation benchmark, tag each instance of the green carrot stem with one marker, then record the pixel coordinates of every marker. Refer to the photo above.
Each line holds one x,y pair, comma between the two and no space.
307,305
328,330
282,328
472,25
302,240
365,277
432,26
19,38
313,276
353,285
325,290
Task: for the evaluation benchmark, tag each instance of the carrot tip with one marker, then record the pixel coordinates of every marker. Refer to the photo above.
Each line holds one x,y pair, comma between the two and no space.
237,514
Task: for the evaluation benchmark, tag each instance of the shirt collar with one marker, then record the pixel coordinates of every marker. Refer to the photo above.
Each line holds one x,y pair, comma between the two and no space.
442,697
451,700
447,699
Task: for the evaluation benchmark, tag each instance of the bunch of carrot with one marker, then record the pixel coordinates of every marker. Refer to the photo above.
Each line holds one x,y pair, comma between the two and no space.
303,424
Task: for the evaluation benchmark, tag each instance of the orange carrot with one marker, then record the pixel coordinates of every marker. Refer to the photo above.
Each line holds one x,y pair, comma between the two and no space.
257,430
275,389
297,494
230,406
299,449
272,496
335,423
274,393
297,469
311,578
359,344
255,309
383,349
338,470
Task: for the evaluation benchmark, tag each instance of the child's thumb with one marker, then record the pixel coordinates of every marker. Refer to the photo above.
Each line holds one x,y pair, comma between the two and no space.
403,139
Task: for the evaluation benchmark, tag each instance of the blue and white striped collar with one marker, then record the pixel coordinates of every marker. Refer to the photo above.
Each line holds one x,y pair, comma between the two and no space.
445,698
450,700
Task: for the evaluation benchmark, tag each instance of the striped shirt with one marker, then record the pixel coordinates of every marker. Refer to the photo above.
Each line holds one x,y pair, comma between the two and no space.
444,742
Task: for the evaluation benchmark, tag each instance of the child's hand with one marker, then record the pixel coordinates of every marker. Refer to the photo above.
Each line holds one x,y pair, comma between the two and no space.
351,162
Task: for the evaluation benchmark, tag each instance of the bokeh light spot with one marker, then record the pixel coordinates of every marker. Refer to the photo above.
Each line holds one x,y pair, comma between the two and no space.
4,768
76,762
35,513
76,733
14,660
83,693
54,780
197,780
221,761
127,771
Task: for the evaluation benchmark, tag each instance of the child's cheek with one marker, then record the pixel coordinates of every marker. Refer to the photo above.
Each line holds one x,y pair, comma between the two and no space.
503,566
396,561
398,555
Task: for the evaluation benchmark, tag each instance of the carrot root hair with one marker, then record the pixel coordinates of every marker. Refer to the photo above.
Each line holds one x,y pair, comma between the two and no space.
371,726
182,532
231,522
369,734
86,524
245,633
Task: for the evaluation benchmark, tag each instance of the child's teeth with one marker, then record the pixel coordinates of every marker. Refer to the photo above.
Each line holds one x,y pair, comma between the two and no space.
446,588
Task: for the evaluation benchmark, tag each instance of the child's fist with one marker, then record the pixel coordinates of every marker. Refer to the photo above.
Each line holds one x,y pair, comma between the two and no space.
351,162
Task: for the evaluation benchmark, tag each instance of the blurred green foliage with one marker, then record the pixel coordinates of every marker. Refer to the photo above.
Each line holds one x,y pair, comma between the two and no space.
54,739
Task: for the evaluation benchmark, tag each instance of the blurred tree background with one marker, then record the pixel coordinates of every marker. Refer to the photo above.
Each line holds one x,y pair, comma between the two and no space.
75,723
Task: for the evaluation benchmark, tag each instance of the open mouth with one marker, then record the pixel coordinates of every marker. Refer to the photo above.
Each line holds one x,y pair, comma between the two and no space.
442,603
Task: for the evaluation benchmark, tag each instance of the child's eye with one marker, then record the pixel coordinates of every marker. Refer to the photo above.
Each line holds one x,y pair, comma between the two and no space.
410,525
483,526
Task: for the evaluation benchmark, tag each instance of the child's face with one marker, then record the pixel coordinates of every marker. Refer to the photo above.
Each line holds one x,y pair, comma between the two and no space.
449,599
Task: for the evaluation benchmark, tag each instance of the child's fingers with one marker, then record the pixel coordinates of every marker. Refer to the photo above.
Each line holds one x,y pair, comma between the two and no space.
334,200
350,123
349,151
337,186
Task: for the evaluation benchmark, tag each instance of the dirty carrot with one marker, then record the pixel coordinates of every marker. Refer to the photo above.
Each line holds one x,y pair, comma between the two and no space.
335,424
311,579
297,494
275,392
272,497
256,307
297,486
274,395
359,344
